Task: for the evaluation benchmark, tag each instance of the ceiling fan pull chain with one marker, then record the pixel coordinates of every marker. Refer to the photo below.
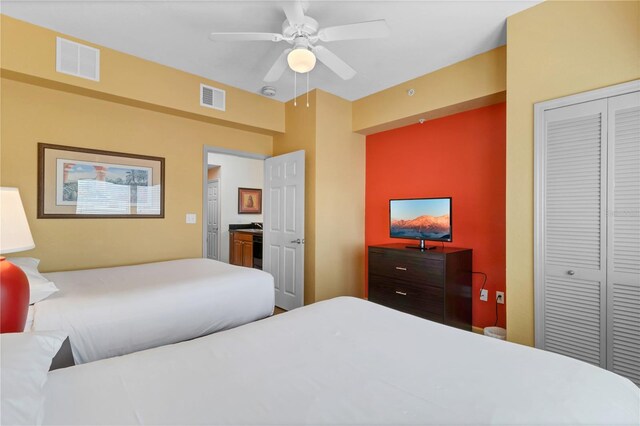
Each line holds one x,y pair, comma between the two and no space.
295,88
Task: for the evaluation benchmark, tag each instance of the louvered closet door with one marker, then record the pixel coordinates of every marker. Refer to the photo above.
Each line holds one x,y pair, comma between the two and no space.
574,223
623,248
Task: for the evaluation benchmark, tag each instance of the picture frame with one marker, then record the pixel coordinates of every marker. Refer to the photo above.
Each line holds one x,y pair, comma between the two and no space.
249,201
80,183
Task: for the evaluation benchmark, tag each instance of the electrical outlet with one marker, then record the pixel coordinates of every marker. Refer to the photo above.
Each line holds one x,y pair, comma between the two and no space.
484,295
500,297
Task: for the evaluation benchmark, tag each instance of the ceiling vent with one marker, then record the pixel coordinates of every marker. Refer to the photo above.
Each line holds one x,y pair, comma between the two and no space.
77,59
212,97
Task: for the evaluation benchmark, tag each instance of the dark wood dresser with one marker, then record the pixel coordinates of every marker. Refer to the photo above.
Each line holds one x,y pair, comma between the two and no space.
433,284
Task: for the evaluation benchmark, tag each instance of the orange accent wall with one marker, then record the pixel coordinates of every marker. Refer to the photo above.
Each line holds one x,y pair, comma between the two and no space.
462,156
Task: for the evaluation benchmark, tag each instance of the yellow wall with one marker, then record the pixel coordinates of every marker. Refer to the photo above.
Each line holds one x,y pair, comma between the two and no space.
553,50
137,107
301,135
473,83
29,54
334,193
213,173
340,174
32,114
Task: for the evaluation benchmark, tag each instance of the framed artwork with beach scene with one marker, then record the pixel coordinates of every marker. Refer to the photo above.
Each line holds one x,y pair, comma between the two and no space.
249,201
87,183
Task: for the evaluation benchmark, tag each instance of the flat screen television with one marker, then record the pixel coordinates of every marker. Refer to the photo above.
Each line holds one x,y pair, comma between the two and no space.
424,219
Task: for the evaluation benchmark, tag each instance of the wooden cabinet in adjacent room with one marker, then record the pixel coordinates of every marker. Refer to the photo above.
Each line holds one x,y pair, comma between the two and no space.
432,284
241,249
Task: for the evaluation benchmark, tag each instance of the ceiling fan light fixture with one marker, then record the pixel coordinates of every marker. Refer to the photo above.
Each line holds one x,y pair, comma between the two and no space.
301,60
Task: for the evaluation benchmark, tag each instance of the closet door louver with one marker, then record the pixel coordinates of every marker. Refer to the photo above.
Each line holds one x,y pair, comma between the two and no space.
623,251
574,223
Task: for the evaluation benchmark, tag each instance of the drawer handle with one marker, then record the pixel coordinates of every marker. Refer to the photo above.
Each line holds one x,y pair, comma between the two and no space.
401,268
401,293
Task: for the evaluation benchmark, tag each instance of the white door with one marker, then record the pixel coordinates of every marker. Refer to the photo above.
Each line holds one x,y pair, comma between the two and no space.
283,248
573,293
623,254
213,219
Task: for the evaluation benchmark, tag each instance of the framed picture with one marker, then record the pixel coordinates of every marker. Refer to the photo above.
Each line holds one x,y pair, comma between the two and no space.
249,201
88,183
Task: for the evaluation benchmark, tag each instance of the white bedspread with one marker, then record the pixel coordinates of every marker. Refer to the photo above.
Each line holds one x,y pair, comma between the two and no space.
343,361
115,311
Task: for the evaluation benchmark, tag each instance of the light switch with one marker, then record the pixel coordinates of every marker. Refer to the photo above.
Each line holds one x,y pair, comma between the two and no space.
191,218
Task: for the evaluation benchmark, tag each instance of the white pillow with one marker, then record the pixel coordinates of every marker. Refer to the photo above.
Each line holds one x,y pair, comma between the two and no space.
25,359
40,287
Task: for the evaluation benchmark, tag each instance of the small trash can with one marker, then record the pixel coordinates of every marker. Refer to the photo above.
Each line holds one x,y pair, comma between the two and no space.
496,332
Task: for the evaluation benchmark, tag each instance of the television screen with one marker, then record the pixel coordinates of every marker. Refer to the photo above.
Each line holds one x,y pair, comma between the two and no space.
421,219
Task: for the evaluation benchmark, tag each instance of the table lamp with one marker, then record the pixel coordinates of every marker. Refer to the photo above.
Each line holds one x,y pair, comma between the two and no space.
14,286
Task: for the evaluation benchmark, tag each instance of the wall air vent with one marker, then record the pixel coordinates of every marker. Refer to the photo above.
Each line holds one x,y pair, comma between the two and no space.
77,59
211,97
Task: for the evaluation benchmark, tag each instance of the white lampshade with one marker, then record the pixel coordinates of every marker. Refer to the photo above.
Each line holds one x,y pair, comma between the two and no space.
301,60
14,228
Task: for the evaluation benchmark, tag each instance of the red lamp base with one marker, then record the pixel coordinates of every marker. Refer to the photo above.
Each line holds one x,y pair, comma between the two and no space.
14,297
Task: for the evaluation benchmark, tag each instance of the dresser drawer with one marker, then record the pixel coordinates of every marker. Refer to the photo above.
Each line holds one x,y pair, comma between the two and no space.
432,284
407,268
424,301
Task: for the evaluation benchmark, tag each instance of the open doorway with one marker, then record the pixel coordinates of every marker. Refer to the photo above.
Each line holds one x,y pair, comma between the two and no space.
225,171
282,178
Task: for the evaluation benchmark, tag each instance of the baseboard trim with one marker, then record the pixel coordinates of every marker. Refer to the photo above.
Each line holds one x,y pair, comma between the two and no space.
479,330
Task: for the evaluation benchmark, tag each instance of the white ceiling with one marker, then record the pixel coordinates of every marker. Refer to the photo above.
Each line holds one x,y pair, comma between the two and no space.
425,36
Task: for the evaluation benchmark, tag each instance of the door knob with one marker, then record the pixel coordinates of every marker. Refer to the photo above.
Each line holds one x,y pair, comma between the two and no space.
571,272
297,241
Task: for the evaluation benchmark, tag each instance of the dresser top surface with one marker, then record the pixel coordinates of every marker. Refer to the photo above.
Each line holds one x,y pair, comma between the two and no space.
403,247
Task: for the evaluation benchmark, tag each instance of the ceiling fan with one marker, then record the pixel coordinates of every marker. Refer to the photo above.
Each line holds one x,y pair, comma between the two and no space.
303,32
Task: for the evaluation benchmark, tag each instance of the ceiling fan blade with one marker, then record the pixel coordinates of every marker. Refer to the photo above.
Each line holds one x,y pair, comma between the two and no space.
294,12
278,67
360,30
334,63
245,37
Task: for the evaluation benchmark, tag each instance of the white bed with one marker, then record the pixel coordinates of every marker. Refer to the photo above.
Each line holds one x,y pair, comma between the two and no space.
343,361
115,311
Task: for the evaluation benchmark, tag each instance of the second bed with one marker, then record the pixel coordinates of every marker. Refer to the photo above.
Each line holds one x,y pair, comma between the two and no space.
114,311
